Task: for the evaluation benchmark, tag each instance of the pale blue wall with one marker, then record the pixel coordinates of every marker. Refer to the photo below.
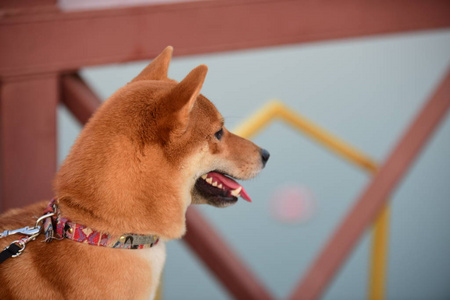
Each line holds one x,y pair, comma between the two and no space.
363,90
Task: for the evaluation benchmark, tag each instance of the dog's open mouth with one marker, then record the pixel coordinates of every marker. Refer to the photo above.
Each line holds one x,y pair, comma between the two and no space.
218,187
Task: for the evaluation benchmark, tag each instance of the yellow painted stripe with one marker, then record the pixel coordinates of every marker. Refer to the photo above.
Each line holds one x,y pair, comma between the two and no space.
379,257
277,110
258,121
327,139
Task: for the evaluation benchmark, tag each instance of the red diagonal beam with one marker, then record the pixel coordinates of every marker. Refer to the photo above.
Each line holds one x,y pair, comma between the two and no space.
203,240
375,196
221,260
78,97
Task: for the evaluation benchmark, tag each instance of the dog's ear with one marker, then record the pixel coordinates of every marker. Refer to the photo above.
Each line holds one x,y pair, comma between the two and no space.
158,68
182,97
186,92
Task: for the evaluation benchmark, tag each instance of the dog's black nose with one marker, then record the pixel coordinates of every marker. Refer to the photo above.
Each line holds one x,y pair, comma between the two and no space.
264,156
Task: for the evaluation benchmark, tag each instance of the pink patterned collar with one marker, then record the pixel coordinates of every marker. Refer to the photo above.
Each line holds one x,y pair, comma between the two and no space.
59,228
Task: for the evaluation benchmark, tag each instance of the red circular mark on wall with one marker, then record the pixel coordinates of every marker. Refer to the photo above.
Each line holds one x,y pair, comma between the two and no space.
292,204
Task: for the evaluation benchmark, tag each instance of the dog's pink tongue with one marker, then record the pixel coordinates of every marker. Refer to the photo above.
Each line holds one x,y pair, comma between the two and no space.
230,184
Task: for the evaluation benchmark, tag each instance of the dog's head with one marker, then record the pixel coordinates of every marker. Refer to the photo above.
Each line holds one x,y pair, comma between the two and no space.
152,149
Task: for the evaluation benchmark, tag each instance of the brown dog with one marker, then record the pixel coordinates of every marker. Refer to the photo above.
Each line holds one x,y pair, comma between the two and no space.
151,150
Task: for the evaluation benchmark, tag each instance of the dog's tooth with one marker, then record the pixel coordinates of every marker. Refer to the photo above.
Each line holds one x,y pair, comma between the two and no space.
236,192
214,183
204,177
220,186
209,180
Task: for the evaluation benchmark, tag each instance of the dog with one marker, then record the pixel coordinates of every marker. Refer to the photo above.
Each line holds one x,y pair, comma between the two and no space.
152,149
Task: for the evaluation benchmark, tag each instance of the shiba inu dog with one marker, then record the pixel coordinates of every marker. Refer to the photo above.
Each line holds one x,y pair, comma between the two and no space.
152,149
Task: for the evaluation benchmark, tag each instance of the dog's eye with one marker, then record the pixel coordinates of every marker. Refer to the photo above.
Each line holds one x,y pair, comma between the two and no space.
219,134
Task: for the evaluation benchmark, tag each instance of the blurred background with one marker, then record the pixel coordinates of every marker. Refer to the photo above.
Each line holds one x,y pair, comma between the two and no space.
363,87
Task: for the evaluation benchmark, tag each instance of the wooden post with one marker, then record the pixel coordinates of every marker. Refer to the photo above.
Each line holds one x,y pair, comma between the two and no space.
27,139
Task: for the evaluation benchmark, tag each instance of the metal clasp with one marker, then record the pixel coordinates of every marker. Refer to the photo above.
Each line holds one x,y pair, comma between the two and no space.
30,231
31,234
26,231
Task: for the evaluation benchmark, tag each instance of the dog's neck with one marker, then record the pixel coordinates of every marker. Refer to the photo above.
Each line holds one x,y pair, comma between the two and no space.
58,227
116,220
116,197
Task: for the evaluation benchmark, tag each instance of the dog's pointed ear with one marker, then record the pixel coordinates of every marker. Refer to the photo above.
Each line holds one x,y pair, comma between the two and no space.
181,99
158,68
186,92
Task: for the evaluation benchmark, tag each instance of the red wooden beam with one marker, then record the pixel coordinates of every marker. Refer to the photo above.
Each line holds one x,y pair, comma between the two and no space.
200,237
27,4
27,140
374,197
52,41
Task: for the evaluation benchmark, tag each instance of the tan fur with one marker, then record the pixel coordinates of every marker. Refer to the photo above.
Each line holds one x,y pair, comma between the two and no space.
132,170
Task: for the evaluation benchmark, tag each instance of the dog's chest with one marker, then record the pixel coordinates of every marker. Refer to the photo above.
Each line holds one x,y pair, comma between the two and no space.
155,257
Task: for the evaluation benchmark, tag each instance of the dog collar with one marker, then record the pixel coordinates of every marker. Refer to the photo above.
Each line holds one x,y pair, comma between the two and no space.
59,228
